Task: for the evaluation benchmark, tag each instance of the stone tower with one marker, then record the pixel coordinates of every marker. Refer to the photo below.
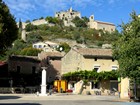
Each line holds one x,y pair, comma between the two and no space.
91,18
23,35
70,9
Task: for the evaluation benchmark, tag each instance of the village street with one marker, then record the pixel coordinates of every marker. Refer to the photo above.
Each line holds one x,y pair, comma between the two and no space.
61,99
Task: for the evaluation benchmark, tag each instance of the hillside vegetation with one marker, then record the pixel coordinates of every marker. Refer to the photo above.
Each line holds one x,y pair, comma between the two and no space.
79,34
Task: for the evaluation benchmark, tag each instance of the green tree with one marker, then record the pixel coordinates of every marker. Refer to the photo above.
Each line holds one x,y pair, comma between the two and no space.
64,47
8,28
18,45
85,19
53,20
30,51
127,49
79,22
33,37
20,29
27,21
30,27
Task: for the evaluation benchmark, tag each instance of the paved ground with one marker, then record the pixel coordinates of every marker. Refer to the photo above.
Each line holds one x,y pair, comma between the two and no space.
61,99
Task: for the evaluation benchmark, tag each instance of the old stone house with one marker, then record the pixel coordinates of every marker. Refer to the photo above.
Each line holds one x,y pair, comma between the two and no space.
31,65
54,64
68,16
45,46
91,59
105,26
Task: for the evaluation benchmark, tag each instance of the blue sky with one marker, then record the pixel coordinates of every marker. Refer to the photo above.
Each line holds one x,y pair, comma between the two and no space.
114,11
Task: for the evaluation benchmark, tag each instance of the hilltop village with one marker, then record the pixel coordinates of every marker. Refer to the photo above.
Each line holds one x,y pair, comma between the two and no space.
60,46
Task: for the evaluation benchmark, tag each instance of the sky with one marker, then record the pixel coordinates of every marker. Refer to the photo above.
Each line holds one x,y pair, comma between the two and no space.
114,11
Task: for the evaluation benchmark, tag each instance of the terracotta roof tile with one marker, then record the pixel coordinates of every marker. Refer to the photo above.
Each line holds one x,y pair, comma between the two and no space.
100,22
52,54
95,52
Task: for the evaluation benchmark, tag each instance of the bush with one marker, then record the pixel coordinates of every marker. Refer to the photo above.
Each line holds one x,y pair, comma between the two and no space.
30,51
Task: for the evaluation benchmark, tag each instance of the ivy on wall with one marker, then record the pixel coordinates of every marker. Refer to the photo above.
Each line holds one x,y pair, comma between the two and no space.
90,75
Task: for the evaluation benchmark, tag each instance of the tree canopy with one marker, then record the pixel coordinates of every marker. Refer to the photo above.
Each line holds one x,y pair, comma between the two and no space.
127,48
30,51
8,27
33,38
79,22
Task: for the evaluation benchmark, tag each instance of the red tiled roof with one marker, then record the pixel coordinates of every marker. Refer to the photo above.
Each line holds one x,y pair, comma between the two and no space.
100,22
95,52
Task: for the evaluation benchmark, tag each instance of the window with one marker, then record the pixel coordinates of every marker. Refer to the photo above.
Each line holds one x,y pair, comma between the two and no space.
96,68
113,60
114,85
114,68
18,69
35,46
95,59
39,46
94,85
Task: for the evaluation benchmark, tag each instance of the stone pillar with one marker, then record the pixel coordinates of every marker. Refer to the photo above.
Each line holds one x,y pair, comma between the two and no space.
124,88
23,35
43,84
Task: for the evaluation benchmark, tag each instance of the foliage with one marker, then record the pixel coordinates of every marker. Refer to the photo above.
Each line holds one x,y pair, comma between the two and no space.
79,34
85,19
30,51
41,18
127,48
27,21
33,37
53,20
8,28
30,27
79,22
90,75
18,45
63,47
20,29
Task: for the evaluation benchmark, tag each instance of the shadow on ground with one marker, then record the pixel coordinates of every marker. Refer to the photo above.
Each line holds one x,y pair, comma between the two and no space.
19,104
9,97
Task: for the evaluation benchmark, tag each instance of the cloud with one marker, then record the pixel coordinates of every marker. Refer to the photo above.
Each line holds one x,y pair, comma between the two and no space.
32,8
20,8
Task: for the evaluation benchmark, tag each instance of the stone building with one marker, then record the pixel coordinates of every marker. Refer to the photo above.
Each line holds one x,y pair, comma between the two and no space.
106,26
68,16
88,59
23,64
32,64
91,59
54,69
35,22
45,46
